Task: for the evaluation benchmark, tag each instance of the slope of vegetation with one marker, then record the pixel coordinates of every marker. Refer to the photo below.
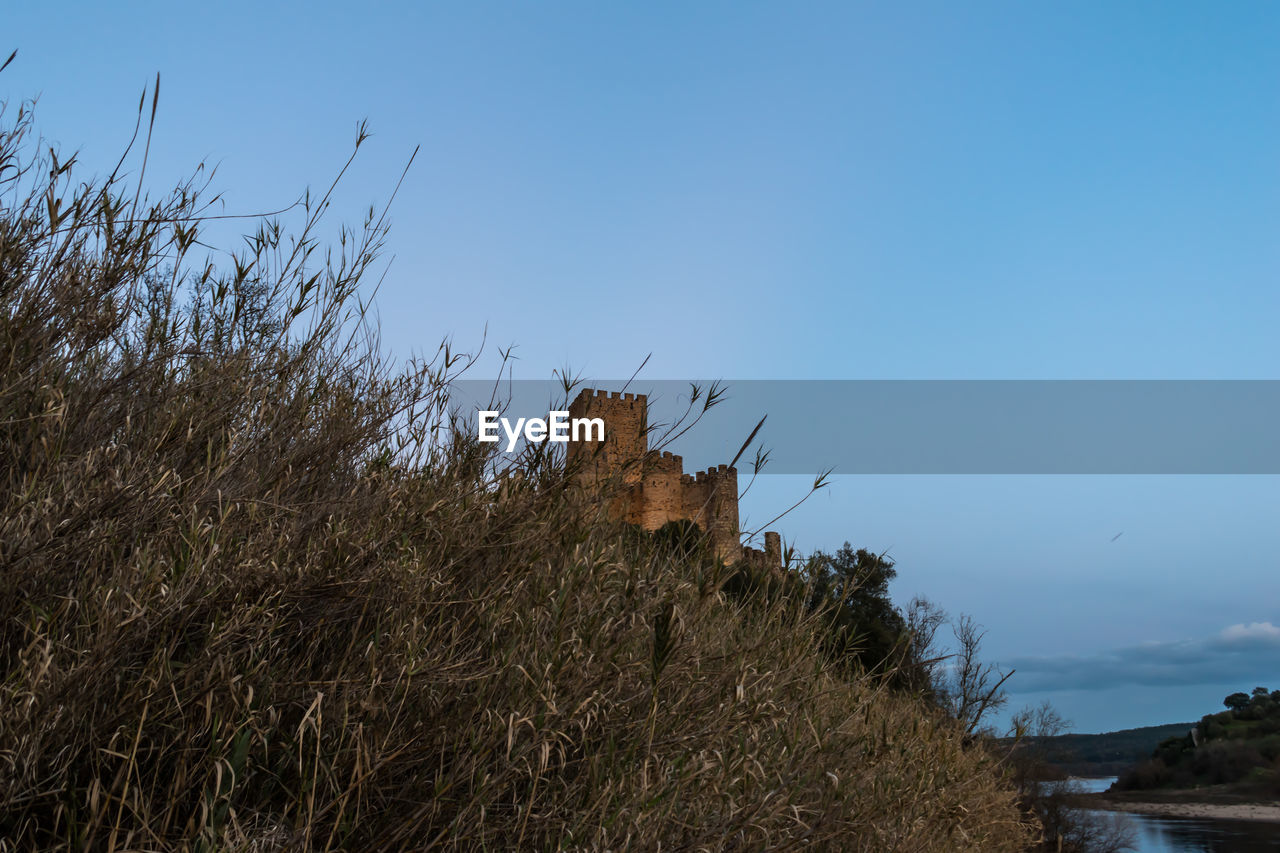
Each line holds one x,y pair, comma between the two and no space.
257,592
1238,747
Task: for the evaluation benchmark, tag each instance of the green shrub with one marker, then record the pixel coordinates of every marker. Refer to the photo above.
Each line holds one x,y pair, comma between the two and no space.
1224,761
1152,773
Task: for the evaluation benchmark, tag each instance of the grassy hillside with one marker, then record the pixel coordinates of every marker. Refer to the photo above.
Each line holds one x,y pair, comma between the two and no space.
258,593
1238,747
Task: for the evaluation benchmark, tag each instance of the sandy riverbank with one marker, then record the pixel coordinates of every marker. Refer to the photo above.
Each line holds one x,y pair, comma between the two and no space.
1185,808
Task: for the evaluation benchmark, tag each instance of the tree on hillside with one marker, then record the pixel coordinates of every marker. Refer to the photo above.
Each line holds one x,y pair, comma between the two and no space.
867,630
865,626
1237,701
960,681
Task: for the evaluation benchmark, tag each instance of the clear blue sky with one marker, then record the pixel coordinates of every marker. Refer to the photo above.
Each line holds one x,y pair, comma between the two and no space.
840,190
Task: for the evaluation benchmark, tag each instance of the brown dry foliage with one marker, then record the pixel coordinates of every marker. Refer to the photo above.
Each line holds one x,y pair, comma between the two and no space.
257,594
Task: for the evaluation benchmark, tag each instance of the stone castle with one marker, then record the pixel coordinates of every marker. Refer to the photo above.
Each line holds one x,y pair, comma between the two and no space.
652,488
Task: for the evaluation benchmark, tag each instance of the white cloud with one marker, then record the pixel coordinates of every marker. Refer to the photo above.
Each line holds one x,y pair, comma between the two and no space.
1238,653
1252,631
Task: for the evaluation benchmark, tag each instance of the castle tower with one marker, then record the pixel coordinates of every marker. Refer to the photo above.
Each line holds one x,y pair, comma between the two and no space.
626,436
772,549
652,487
711,500
660,495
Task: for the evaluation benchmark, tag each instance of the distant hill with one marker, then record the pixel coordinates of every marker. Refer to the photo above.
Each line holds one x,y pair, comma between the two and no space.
1236,749
1107,754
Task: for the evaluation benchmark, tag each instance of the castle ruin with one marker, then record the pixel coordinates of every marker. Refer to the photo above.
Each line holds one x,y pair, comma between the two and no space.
652,488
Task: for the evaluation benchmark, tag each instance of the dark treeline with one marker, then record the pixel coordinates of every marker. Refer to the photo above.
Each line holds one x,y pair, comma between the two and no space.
1105,754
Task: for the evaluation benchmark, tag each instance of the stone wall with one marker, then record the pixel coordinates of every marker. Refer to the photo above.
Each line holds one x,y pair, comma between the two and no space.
652,487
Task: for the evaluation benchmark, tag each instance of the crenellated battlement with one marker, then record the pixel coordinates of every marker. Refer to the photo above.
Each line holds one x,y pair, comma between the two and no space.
665,462
618,396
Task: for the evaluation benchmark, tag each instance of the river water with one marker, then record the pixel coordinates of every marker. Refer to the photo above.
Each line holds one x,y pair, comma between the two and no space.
1158,834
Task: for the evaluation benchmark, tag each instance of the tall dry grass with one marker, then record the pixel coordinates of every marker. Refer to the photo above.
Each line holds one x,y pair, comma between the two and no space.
255,595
